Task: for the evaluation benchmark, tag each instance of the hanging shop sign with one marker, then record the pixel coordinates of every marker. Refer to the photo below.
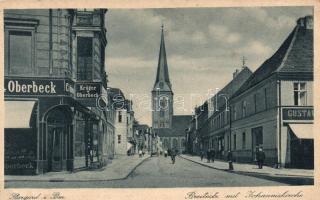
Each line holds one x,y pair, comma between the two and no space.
87,93
297,113
36,87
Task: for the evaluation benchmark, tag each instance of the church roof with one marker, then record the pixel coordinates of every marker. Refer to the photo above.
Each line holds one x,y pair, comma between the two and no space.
179,125
295,55
162,79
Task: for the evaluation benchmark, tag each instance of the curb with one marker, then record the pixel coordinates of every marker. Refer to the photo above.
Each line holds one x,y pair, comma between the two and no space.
302,180
83,180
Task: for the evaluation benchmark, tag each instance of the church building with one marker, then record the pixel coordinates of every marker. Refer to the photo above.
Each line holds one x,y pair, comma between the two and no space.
170,128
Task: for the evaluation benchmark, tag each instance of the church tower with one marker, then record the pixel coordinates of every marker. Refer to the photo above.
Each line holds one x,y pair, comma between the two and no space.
162,95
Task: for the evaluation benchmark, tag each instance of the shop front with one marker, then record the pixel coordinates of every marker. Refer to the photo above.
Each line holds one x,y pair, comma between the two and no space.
300,137
301,145
46,128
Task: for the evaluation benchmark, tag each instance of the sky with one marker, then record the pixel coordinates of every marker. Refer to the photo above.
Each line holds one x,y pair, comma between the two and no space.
204,47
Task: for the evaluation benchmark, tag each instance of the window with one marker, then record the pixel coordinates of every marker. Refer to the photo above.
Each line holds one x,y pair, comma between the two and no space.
234,142
300,94
244,140
265,99
244,109
255,102
119,139
161,113
234,113
162,125
119,117
19,52
161,85
84,49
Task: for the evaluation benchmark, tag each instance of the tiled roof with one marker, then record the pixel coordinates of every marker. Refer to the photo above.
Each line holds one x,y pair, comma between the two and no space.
294,55
179,125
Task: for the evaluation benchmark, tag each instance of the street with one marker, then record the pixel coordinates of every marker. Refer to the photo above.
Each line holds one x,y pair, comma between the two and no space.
159,172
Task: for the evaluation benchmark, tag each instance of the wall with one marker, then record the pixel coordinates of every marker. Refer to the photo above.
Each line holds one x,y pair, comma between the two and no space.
61,37
261,112
121,129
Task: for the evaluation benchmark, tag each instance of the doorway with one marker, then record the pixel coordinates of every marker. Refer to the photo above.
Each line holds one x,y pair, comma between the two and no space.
59,140
257,141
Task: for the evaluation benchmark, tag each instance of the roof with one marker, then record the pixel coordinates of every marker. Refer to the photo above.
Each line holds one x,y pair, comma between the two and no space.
295,55
179,125
118,100
162,79
141,126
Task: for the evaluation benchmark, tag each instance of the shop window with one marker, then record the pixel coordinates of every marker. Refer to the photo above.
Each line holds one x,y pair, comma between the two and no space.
244,140
119,117
300,94
19,52
119,139
84,50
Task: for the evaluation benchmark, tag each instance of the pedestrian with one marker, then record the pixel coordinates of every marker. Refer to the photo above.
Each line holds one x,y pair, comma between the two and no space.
230,160
143,152
208,155
201,154
173,156
260,157
140,153
212,154
169,152
165,153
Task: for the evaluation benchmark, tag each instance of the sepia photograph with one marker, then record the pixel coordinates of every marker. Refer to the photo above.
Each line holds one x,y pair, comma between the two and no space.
197,97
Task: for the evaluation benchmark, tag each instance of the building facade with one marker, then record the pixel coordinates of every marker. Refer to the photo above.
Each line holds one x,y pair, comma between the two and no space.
216,130
124,120
54,72
274,108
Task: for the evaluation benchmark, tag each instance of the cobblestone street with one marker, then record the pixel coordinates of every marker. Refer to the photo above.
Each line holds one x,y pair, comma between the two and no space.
159,172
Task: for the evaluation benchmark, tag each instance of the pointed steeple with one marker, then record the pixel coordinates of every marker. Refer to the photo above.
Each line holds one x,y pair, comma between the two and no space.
162,79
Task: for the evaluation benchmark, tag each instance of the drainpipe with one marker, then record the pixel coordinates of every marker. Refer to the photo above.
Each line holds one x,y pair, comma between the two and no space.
280,122
50,43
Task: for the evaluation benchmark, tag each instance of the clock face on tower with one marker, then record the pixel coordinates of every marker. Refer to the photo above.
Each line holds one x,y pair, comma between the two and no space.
163,103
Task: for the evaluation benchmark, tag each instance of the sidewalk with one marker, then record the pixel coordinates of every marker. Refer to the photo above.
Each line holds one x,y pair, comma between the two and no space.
120,168
253,170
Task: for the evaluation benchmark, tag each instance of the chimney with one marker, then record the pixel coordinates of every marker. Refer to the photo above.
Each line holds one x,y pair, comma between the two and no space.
305,22
235,73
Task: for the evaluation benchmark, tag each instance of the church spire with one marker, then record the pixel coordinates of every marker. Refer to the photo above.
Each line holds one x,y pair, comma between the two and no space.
162,78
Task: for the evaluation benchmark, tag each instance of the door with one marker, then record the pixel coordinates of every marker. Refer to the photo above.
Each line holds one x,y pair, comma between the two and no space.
257,141
57,149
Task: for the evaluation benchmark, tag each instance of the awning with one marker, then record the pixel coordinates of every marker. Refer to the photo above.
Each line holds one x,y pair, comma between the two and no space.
18,114
302,131
129,145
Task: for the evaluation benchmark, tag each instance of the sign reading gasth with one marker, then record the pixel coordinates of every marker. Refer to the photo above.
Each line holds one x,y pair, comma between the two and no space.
35,87
297,113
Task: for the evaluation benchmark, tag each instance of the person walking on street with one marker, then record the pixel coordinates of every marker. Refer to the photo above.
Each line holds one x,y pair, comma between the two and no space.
260,158
140,153
201,154
230,160
212,154
208,155
173,156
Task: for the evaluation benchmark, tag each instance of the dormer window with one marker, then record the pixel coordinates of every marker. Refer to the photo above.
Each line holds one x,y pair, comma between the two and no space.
161,85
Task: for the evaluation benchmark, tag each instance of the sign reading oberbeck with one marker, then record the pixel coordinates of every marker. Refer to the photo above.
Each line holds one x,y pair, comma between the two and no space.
28,87
88,90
